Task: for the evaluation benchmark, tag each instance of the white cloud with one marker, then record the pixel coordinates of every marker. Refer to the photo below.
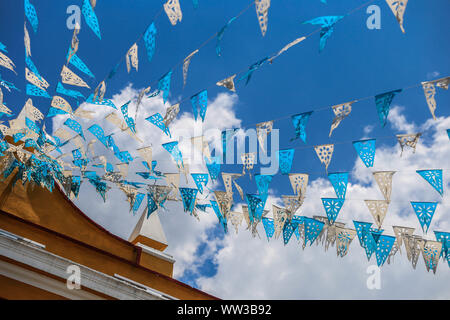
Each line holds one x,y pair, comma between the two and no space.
398,120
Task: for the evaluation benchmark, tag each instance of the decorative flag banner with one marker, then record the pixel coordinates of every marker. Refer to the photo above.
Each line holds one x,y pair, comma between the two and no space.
200,179
220,36
262,11
151,205
213,167
62,134
299,121
414,245
434,178
226,137
225,201
186,63
200,101
268,227
341,111
61,103
149,39
401,233
99,93
236,219
327,27
313,228
32,90
398,9
366,151
171,114
74,43
3,47
131,58
91,18
339,182
228,179
378,209
444,238
288,229
35,80
424,212
384,181
362,230
299,182
287,47
430,91
8,85
129,121
137,202
325,152
98,132
164,85
30,13
248,161
383,102
173,11
280,215
384,247
188,195
32,111
172,148
252,69
332,208
227,83
344,237
255,207
263,182
158,121
26,40
75,126
68,77
79,64
6,62
431,252
292,203
222,219
409,140
262,130
31,66
71,93
285,158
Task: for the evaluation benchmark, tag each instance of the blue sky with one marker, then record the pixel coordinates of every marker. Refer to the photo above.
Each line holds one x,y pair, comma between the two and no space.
356,62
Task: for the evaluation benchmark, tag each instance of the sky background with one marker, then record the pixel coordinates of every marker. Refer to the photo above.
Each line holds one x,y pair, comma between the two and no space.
356,62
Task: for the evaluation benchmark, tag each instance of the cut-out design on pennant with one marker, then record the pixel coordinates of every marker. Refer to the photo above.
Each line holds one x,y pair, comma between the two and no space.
414,245
222,219
35,80
287,47
434,178
186,63
444,238
325,153
366,151
280,216
227,83
61,103
173,11
6,62
424,212
398,8
299,182
213,167
228,179
255,207
26,40
384,181
164,85
431,252
74,43
263,182
248,161
220,36
172,148
262,130
30,13
200,179
158,121
300,121
137,202
129,121
327,27
285,158
79,64
378,209
344,237
236,219
268,227
67,92
341,111
255,66
313,228
262,11
188,195
91,18
400,233
150,41
383,102
75,126
332,208
429,90
339,182
225,201
292,203
131,58
288,230
364,236
99,92
68,77
409,140
33,90
200,104
384,247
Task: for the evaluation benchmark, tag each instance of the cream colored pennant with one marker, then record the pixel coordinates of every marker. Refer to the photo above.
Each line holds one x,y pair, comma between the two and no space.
246,216
398,9
344,237
224,200
173,11
400,233
99,92
414,245
227,83
239,189
173,180
33,112
91,147
26,40
292,204
384,181
3,108
262,130
34,79
430,91
299,182
93,3
409,140
431,251
378,209
280,215
228,179
74,43
61,103
171,114
4,130
186,63
262,10
63,134
123,169
79,143
288,46
84,114
248,161
7,62
132,58
236,219
325,153
341,111
68,77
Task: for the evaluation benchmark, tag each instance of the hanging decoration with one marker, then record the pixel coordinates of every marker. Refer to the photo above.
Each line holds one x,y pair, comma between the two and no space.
172,148
414,245
75,126
131,58
26,40
30,13
6,62
173,11
129,121
398,9
384,247
262,130
332,208
248,161
434,178
344,237
67,92
339,182
285,158
325,152
236,219
327,27
430,91
409,140
378,209
68,77
401,233
431,252
444,238
300,121
90,18
384,181
200,179
227,83
341,111
186,63
252,69
424,212
213,167
313,228
299,182
188,195
287,47
220,36
164,85
150,42
79,64
222,219
383,102
200,102
366,151
158,121
262,11
268,227
33,90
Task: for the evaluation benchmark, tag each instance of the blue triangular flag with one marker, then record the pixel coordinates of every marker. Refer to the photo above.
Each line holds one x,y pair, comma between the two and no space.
71,93
150,42
444,238
137,202
33,90
172,148
200,101
255,207
383,102
200,179
222,219
75,126
327,23
433,177
220,36
188,195
384,247
366,151
79,64
299,121
424,212
30,13
252,69
157,120
90,18
151,205
3,48
164,85
268,227
339,182
213,167
288,229
313,228
332,208
129,121
262,183
285,158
